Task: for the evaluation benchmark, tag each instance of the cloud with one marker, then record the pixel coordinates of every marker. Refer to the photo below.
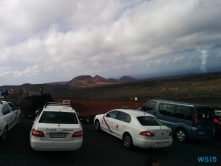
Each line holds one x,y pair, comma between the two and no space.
90,36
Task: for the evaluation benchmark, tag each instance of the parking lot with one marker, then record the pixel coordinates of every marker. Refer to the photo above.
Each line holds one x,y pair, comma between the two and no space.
102,149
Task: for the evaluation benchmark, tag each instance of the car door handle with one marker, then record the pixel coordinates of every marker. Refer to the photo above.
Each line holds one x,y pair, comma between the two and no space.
111,122
124,126
107,120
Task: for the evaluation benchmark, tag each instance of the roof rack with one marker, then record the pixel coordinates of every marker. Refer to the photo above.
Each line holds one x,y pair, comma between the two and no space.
57,104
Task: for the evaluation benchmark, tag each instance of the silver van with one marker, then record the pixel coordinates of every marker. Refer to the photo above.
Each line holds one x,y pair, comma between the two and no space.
186,120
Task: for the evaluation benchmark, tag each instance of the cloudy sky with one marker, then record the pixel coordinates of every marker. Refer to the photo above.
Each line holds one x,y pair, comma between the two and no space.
56,40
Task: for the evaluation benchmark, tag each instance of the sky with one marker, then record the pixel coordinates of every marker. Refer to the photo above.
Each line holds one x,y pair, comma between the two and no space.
57,40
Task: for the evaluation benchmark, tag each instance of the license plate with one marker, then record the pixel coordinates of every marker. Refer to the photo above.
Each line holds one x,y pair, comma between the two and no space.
201,132
58,135
161,143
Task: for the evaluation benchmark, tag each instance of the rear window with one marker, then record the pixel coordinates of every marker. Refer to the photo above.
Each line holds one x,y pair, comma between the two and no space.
149,121
58,117
205,113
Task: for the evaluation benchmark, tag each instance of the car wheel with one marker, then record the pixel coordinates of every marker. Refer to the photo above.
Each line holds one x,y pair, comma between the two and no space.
128,142
4,134
97,125
181,135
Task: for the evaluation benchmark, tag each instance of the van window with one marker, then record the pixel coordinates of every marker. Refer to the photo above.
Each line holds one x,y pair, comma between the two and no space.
176,111
205,113
167,109
150,105
183,112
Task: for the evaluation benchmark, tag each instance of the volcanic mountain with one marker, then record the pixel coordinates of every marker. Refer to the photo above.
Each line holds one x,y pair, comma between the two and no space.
88,81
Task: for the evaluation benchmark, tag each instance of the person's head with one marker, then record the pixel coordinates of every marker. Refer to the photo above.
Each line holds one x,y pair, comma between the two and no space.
151,162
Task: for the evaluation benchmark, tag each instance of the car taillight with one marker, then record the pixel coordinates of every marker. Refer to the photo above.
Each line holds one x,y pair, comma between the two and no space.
170,134
195,118
147,134
77,134
37,133
216,120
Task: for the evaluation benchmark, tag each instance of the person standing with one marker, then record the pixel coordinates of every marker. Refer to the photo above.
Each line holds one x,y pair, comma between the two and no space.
27,93
41,90
2,93
6,93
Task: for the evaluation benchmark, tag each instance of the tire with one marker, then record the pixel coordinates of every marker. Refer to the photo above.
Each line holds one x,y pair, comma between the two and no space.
128,142
181,135
4,134
97,126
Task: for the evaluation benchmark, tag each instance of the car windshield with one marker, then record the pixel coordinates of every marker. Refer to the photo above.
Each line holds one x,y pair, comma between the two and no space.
58,117
149,121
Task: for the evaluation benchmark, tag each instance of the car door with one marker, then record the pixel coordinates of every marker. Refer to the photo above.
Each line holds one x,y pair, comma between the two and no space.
7,115
121,123
108,120
14,112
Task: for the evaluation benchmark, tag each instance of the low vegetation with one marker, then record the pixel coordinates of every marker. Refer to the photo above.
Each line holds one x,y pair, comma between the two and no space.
29,104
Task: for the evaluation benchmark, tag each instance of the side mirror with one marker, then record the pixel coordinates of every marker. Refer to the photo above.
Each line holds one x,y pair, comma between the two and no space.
142,107
107,115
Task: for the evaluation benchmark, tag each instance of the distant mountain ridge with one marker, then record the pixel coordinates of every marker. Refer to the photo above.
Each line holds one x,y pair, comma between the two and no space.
127,79
89,81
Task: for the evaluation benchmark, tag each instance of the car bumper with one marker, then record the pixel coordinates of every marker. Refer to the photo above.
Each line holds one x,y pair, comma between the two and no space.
39,145
150,143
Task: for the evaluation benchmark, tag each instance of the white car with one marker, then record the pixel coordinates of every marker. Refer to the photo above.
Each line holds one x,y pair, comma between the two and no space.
9,116
56,128
135,128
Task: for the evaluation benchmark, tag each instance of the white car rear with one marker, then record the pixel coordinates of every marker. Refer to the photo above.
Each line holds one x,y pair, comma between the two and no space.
56,128
135,128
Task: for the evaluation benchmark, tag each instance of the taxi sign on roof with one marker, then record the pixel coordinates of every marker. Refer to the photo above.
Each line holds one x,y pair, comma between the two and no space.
66,101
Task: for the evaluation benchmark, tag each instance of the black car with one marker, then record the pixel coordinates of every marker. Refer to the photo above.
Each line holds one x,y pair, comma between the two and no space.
217,121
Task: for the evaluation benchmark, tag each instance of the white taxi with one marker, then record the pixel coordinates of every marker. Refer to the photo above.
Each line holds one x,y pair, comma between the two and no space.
135,128
56,128
9,117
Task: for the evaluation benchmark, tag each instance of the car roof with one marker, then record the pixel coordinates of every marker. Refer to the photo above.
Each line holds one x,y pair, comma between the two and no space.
135,113
52,106
58,108
178,102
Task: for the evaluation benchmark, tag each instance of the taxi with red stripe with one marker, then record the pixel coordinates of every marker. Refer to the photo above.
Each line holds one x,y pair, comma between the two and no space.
134,128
